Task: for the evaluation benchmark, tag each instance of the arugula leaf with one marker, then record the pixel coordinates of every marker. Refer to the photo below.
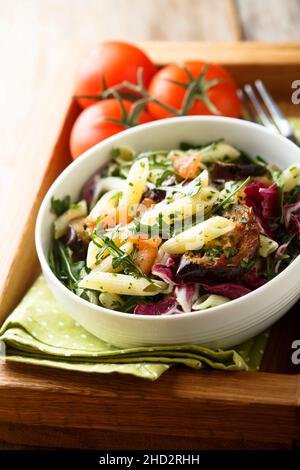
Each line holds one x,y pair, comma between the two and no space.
260,161
59,206
120,257
66,269
292,196
190,190
269,271
228,199
165,174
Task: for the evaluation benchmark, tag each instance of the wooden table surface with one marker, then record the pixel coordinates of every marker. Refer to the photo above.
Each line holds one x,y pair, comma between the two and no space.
37,38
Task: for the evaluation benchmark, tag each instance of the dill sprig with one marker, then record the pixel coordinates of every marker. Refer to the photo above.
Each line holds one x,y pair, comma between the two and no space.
228,199
120,257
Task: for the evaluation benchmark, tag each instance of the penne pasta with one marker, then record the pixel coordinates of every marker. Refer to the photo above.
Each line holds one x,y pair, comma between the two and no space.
290,177
124,152
135,185
75,212
93,249
106,264
196,237
92,253
110,300
218,151
185,206
112,183
266,246
107,202
209,301
122,284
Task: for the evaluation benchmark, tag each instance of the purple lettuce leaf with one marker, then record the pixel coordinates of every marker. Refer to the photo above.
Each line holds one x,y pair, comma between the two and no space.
90,191
290,211
265,204
252,281
296,224
253,197
155,194
186,295
165,269
230,290
270,201
164,307
281,250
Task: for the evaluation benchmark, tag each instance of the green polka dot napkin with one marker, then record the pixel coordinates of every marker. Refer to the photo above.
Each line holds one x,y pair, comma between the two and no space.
40,332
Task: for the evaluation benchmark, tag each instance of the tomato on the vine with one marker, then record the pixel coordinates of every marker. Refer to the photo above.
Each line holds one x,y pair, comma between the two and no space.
108,64
94,125
214,93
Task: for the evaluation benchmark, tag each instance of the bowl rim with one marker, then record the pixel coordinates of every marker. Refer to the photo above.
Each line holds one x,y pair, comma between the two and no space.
117,137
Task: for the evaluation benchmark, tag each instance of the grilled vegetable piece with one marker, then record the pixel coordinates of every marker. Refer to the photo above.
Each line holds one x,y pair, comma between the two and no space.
157,195
228,257
77,237
62,222
236,171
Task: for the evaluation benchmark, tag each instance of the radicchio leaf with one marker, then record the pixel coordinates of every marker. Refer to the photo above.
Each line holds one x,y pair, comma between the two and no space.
279,253
296,224
155,194
186,295
265,205
166,269
289,211
291,214
91,189
230,290
270,201
252,280
164,307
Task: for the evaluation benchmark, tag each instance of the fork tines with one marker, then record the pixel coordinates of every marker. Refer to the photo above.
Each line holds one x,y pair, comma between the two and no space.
261,108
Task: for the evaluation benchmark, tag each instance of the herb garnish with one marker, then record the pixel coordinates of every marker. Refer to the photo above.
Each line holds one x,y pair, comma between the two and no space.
228,199
68,269
292,196
120,257
59,206
190,190
163,177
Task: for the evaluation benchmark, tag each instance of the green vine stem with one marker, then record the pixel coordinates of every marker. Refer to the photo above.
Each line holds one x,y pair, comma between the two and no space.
196,88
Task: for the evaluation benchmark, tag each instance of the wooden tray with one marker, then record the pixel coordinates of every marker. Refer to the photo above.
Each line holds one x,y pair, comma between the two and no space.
184,409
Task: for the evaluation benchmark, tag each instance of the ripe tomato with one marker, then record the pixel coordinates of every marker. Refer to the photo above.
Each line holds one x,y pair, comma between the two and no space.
222,95
147,251
114,62
186,166
91,127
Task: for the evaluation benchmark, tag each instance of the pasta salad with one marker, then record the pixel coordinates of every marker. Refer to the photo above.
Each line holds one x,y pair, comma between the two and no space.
176,231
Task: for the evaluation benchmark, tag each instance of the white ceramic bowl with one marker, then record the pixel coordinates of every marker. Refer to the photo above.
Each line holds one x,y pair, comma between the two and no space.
222,326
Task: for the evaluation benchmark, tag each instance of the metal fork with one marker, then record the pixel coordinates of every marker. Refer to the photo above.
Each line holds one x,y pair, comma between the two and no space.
256,107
